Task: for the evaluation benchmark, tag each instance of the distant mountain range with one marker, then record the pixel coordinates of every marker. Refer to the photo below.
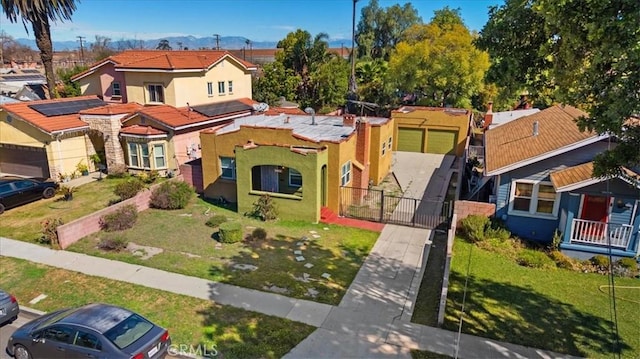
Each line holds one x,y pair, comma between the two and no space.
190,42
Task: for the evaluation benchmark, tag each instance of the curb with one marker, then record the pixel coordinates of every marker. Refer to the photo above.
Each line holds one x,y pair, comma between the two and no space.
31,312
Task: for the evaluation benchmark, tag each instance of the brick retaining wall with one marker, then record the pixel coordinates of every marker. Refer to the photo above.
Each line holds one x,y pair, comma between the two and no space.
71,232
463,209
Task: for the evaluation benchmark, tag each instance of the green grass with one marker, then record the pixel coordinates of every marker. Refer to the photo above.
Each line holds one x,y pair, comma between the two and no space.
235,333
428,300
189,248
553,309
23,223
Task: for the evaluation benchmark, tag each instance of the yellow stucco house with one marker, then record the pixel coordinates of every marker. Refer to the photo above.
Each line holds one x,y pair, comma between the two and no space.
431,129
176,78
301,161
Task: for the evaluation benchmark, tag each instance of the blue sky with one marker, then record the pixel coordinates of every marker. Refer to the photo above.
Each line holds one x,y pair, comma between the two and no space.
258,20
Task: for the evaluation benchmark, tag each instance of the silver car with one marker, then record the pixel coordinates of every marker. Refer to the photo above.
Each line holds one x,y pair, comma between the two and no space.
91,331
9,307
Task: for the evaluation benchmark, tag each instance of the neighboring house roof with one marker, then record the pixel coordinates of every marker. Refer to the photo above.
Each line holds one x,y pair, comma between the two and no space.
48,124
447,110
514,145
7,99
33,92
500,118
580,176
114,109
327,128
274,111
172,117
165,61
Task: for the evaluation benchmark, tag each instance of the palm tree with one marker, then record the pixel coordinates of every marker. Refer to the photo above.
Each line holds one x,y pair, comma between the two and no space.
39,13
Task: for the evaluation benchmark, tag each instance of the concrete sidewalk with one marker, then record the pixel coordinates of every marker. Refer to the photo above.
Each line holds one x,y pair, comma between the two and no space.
299,310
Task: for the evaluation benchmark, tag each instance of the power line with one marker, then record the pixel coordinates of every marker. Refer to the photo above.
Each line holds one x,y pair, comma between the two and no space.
217,41
81,48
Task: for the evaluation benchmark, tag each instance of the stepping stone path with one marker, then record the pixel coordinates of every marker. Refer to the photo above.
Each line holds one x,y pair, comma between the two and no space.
306,278
308,265
300,259
312,292
276,289
326,228
313,232
326,275
218,245
297,252
241,266
299,244
315,236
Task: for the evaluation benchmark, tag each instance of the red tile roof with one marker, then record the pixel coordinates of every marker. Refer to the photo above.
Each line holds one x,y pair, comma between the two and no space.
114,109
142,130
47,124
166,60
173,117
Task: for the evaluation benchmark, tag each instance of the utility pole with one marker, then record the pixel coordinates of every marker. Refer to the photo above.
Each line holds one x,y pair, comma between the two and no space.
217,41
81,48
352,79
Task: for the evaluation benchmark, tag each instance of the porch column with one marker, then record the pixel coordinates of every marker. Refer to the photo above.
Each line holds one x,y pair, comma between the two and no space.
572,212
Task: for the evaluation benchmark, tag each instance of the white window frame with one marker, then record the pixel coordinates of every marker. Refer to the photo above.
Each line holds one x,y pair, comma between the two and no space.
345,173
210,89
533,205
293,173
116,90
230,87
233,168
155,155
384,149
221,88
154,93
390,142
139,155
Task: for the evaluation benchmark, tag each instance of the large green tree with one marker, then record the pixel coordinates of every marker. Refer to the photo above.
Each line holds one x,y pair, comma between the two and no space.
582,52
379,29
39,13
440,62
274,82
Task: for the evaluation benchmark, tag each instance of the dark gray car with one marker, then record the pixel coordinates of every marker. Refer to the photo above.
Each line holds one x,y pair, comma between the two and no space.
91,331
9,307
16,191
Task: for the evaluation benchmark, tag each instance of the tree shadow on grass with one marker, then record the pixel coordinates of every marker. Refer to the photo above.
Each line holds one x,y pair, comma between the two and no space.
521,315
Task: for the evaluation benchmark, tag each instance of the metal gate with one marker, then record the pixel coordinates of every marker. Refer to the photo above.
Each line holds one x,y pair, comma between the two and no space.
375,205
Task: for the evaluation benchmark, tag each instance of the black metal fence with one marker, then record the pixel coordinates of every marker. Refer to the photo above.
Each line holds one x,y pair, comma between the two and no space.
375,205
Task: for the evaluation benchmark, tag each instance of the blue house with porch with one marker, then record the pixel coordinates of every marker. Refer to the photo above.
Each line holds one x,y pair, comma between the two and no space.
541,174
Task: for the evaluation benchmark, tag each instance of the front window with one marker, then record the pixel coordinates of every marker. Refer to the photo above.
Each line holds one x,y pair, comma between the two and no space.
390,141
230,83
156,93
221,87
210,88
159,156
384,148
115,89
534,198
228,167
139,155
295,178
345,173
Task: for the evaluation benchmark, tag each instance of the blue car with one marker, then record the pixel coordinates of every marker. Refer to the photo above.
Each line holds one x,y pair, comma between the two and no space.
92,331
16,191
9,307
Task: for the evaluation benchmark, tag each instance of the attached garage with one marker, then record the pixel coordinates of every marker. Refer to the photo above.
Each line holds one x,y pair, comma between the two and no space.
442,142
23,161
410,139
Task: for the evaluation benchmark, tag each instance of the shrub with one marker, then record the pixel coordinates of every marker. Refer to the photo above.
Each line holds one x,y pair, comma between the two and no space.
128,189
230,232
122,218
216,220
629,263
497,233
473,227
116,244
534,259
600,262
259,234
264,209
509,248
564,261
117,171
627,267
148,177
171,195
50,231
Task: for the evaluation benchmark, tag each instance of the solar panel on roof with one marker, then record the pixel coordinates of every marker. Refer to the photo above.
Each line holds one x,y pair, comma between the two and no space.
23,78
216,109
31,71
66,107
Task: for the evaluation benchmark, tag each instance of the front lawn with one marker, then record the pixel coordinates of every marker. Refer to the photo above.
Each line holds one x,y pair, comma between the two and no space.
23,223
188,246
554,309
233,332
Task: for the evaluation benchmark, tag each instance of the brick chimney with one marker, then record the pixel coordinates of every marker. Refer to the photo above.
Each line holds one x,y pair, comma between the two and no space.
349,120
488,117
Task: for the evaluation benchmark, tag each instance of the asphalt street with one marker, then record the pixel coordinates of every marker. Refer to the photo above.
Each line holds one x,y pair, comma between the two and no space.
8,329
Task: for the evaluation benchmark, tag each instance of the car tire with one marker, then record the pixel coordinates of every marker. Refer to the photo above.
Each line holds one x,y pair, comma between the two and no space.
48,192
20,352
1,208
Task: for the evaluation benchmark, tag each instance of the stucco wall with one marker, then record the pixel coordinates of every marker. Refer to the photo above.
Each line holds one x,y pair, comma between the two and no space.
434,120
381,165
136,83
90,85
73,231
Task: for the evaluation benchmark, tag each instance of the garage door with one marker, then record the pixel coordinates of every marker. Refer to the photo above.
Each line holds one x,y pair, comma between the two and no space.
23,161
443,142
410,139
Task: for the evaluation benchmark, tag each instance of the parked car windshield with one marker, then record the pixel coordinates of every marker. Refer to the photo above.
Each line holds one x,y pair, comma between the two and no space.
128,331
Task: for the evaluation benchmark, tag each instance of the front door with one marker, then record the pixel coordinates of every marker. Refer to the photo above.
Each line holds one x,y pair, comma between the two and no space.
595,208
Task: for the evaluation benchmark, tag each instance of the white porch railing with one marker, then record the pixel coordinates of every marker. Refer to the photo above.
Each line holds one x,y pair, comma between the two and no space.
593,232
